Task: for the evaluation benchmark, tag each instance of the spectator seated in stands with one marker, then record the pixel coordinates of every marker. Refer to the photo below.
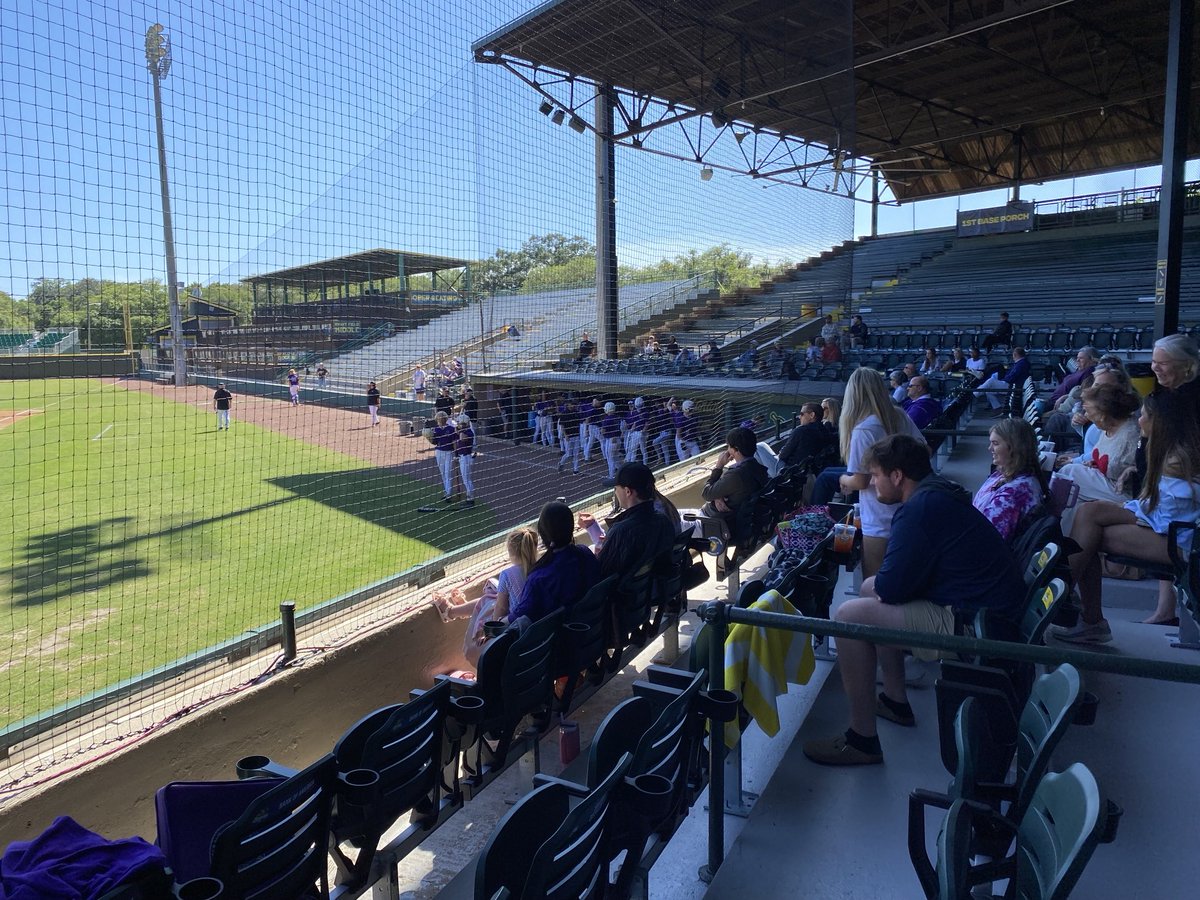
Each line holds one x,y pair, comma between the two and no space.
1001,335
1085,365
898,385
920,405
563,573
810,439
859,333
736,477
1107,472
943,556
586,348
976,364
830,331
639,533
997,387
931,363
497,595
956,363
712,356
1138,528
814,351
747,358
831,352
1015,488
513,331
673,347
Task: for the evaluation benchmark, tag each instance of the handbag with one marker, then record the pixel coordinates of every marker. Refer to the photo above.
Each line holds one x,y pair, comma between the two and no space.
804,529
1110,569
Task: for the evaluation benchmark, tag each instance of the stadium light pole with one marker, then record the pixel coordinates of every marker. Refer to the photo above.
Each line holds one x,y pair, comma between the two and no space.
158,61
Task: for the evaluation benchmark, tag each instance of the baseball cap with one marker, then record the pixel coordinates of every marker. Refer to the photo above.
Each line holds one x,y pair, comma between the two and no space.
639,402
610,407
688,404
638,476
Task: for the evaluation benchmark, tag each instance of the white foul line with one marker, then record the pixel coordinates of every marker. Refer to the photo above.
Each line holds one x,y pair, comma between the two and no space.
102,433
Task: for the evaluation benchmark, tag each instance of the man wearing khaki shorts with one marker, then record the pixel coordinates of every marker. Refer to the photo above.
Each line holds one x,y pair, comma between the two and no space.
943,556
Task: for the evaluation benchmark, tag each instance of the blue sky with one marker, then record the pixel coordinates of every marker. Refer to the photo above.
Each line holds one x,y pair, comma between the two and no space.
298,131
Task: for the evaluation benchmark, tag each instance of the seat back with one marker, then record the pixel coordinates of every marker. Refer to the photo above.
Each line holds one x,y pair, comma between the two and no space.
618,735
584,635
527,679
404,745
542,848
276,849
665,749
1058,833
1048,713
1040,609
189,813
631,606
981,758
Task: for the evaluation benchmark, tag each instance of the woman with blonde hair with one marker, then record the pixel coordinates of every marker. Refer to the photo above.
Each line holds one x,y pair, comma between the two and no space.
831,411
1016,487
868,415
498,592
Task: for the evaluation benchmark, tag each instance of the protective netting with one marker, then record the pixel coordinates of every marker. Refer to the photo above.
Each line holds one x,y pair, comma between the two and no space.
138,529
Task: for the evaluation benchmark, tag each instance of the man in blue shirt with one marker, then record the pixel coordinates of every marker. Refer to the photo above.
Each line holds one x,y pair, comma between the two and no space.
943,556
996,387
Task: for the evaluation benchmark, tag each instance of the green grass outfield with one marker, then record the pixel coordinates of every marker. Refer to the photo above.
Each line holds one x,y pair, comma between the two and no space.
132,533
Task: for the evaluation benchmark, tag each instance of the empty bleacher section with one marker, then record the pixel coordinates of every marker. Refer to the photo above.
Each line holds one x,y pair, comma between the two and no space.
14,341
1092,275
818,284
550,323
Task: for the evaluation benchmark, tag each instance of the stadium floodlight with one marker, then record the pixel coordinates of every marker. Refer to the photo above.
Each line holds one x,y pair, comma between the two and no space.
558,116
706,174
546,108
577,124
158,62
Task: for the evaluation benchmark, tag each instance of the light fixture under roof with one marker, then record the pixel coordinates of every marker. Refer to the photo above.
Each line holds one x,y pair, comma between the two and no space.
559,115
706,174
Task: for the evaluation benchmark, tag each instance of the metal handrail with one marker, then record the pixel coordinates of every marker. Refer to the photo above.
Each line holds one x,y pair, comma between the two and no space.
629,315
719,615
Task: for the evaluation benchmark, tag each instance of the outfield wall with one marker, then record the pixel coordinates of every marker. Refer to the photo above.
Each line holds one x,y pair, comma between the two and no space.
395,407
68,365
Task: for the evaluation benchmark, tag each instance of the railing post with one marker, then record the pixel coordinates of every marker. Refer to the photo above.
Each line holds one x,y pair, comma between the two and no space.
716,744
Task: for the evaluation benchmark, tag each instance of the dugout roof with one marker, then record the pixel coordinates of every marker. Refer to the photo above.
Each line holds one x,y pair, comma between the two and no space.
943,96
357,268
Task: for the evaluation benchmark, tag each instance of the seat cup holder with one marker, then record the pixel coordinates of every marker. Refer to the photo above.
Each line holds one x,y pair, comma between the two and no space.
577,629
1086,713
651,796
358,786
255,767
467,709
1112,820
719,705
203,888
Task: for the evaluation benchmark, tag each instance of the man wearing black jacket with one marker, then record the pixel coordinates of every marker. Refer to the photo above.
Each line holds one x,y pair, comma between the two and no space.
807,440
639,533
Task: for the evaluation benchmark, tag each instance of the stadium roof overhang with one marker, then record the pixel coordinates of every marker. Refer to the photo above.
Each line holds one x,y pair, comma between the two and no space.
939,97
358,268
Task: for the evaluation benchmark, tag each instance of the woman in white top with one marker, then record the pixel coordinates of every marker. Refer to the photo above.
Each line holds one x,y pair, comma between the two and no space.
1138,528
868,415
1112,410
976,364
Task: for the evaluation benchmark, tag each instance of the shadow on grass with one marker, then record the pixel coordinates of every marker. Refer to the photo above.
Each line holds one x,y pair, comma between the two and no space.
390,500
74,561
86,558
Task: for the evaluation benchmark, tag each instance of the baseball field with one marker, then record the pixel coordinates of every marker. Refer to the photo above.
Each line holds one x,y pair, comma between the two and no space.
133,532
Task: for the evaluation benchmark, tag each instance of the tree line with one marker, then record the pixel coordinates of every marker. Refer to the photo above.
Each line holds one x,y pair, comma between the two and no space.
541,263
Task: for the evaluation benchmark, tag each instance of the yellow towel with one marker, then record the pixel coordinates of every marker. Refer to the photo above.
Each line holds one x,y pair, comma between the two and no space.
760,662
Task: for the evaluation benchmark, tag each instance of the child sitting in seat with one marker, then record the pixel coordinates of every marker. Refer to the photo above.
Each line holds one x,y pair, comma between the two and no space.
498,592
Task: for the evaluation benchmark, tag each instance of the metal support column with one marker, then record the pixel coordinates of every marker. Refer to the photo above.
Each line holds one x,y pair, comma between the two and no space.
1175,139
874,202
607,313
